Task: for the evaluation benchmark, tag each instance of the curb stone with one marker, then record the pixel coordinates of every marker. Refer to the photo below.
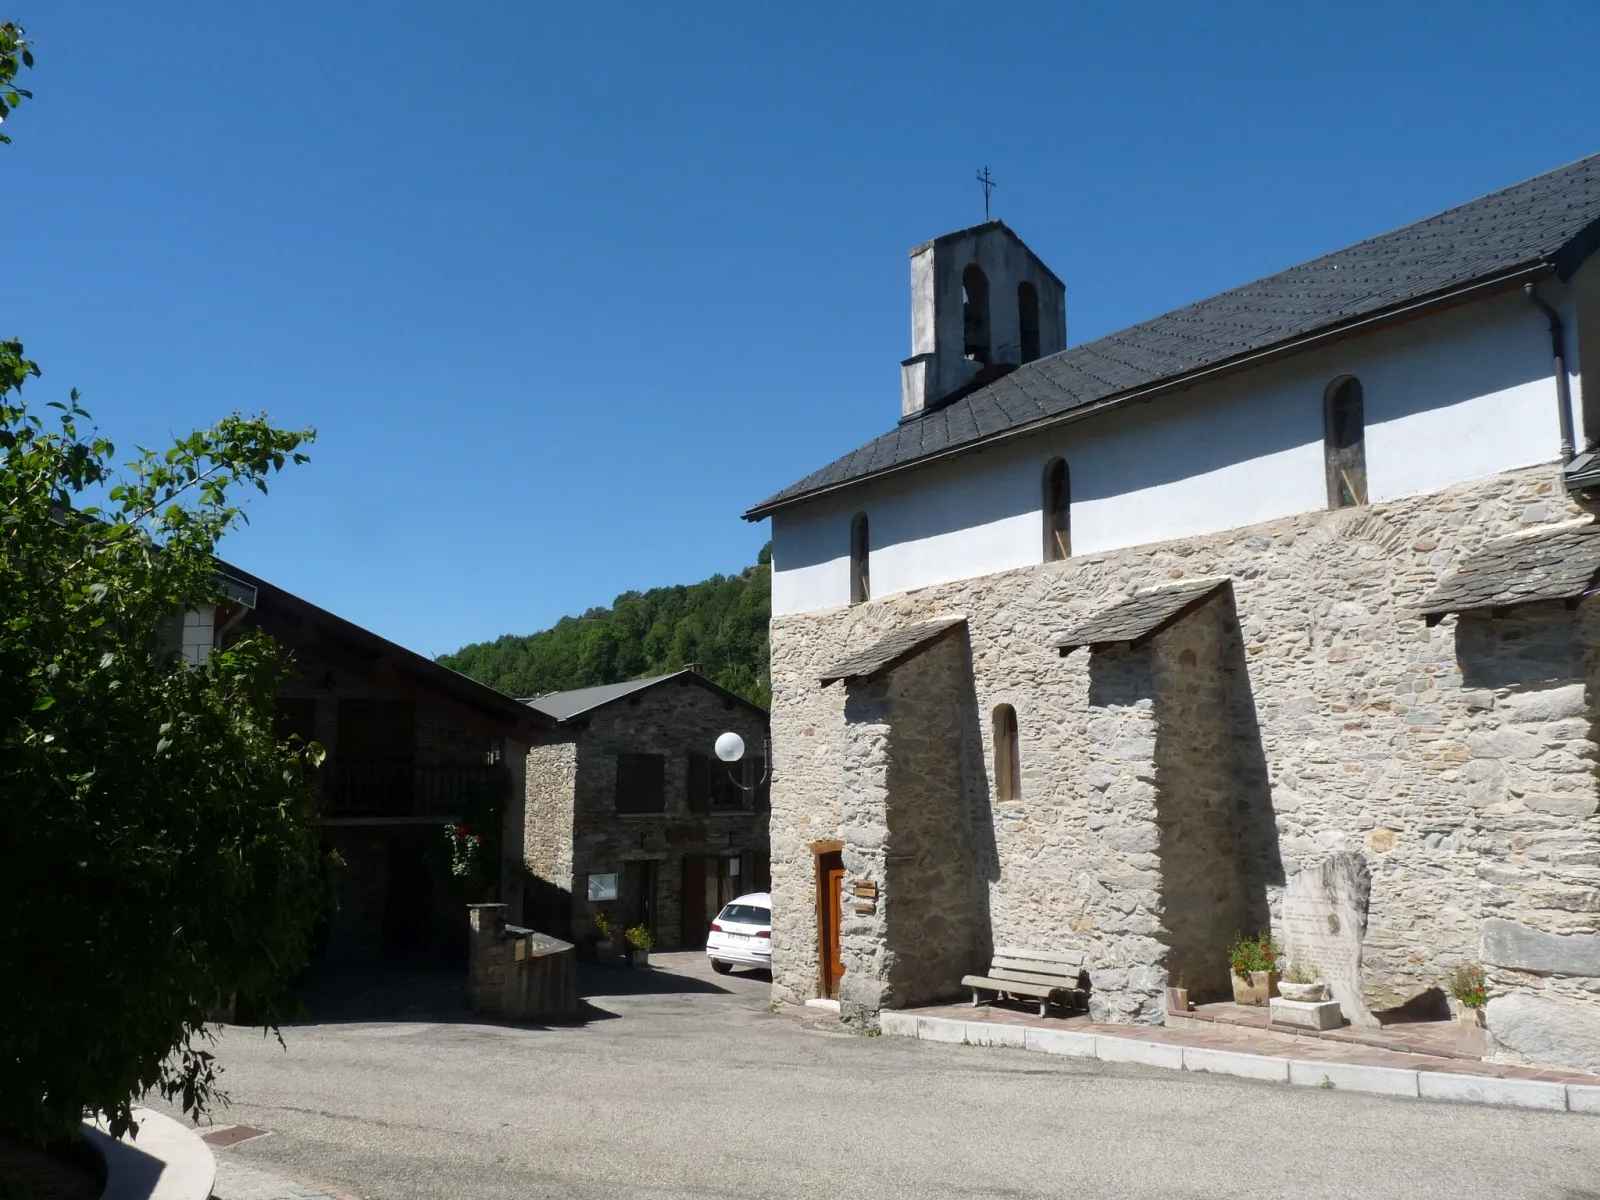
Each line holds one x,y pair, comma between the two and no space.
1347,1077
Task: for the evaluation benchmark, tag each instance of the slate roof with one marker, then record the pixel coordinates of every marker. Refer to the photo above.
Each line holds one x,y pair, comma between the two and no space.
564,706
1558,563
892,650
1549,223
1141,616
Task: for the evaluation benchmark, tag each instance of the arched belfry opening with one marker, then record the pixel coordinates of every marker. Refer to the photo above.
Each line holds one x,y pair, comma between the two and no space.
1028,320
982,304
975,314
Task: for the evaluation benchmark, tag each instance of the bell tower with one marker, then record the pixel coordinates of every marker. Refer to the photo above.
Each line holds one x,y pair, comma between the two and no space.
982,304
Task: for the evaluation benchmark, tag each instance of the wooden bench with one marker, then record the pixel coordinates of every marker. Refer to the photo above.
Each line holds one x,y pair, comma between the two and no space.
1032,977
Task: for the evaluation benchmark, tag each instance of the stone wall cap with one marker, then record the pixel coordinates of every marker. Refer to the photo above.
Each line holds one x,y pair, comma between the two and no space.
1558,562
892,650
1139,617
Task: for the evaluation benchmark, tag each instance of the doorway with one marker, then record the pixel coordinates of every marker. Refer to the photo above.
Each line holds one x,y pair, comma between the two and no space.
639,893
709,882
830,894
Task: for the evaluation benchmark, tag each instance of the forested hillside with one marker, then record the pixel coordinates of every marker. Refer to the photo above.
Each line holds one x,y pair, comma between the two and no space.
719,623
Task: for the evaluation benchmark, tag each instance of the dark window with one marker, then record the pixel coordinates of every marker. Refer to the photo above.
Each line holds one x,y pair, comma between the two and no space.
1344,443
641,782
735,787
296,717
975,314
699,782
1057,511
1028,320
1007,754
860,560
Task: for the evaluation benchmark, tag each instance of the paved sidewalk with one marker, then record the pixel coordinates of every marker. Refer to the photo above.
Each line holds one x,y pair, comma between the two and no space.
1257,1054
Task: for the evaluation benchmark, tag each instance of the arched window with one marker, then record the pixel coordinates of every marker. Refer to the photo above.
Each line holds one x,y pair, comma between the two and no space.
975,314
1344,443
1028,321
1007,755
1057,511
860,553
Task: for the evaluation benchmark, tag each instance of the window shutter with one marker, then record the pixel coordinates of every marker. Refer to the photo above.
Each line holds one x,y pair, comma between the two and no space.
699,783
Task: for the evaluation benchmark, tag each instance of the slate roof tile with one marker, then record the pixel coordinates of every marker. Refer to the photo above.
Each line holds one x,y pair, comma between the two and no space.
1556,563
1141,616
891,650
1553,218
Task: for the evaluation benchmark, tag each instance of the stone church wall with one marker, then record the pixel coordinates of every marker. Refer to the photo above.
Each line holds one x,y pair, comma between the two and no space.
1457,760
911,739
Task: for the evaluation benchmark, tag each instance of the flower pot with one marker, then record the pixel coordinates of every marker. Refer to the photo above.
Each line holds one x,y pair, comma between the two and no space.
1302,991
637,957
605,950
1255,988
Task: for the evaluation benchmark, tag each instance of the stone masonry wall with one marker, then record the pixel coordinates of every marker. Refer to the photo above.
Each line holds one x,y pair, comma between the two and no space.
573,828
908,814
1467,786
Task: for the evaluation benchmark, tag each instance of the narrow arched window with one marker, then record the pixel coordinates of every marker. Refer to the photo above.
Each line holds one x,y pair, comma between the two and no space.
1007,755
1344,443
860,556
975,314
1028,321
1057,511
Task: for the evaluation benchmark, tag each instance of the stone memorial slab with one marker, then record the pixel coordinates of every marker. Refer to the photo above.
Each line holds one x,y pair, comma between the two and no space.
1305,1014
1324,921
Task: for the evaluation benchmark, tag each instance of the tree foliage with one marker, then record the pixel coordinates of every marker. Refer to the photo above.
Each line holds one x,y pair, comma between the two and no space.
163,849
720,624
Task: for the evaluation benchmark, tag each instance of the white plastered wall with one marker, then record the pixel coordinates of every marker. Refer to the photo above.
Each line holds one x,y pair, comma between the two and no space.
1453,397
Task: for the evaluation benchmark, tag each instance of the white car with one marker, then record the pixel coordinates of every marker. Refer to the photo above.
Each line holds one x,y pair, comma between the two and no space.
741,936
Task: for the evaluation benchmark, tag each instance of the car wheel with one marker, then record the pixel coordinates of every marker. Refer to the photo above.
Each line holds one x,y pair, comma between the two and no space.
720,967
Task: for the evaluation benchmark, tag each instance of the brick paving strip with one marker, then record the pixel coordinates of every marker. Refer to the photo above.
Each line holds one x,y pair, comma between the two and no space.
1258,1054
235,1181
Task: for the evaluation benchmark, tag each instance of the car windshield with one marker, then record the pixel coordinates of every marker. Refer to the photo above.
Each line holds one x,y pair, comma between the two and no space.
746,914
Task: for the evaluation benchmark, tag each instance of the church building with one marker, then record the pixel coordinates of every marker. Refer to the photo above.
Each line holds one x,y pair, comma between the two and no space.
1265,614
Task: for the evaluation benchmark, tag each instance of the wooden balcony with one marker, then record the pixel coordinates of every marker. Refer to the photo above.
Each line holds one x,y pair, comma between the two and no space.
403,790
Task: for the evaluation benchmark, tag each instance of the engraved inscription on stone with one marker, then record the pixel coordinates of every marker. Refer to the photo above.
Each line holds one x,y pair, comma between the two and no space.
1324,919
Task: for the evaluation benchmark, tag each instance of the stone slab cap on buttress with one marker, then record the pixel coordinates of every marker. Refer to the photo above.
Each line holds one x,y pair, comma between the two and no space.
892,649
1556,563
1139,617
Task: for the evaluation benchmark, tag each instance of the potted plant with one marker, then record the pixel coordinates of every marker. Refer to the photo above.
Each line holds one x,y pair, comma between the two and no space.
1469,993
640,940
604,946
1255,962
1301,982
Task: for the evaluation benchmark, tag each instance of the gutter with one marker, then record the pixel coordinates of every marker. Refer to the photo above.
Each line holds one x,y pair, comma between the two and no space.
1520,276
1558,349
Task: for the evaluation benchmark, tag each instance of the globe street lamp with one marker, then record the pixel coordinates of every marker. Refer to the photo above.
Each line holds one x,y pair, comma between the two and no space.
730,749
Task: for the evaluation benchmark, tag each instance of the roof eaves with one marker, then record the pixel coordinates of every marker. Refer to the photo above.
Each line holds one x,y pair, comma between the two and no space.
1459,293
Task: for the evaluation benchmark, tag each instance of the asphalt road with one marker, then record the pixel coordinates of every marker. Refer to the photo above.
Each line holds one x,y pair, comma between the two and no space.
694,1088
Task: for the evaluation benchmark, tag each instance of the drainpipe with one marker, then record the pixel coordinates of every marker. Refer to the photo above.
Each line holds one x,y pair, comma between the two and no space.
1558,347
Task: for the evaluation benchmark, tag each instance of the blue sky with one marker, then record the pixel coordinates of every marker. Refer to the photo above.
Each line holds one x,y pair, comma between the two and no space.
565,289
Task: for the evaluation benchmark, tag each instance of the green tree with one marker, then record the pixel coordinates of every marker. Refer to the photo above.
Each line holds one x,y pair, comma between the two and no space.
719,623
162,853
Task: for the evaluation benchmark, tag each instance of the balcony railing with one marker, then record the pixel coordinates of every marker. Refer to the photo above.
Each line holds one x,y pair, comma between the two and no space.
401,789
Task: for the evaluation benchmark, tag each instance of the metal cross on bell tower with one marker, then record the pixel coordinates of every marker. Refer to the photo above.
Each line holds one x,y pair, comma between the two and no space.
989,185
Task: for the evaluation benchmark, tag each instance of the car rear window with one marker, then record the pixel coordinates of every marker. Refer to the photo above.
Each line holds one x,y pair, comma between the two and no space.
746,914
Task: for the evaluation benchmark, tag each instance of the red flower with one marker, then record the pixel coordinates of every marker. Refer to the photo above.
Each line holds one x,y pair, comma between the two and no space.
461,831
478,839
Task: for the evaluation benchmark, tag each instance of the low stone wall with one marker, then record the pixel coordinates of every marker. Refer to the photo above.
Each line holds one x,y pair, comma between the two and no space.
517,973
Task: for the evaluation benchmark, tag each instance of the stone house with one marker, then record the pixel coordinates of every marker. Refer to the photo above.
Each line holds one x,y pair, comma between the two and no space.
1264,613
411,746
629,813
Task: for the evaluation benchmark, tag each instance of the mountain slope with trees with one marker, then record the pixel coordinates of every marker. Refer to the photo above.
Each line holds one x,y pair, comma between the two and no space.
719,624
